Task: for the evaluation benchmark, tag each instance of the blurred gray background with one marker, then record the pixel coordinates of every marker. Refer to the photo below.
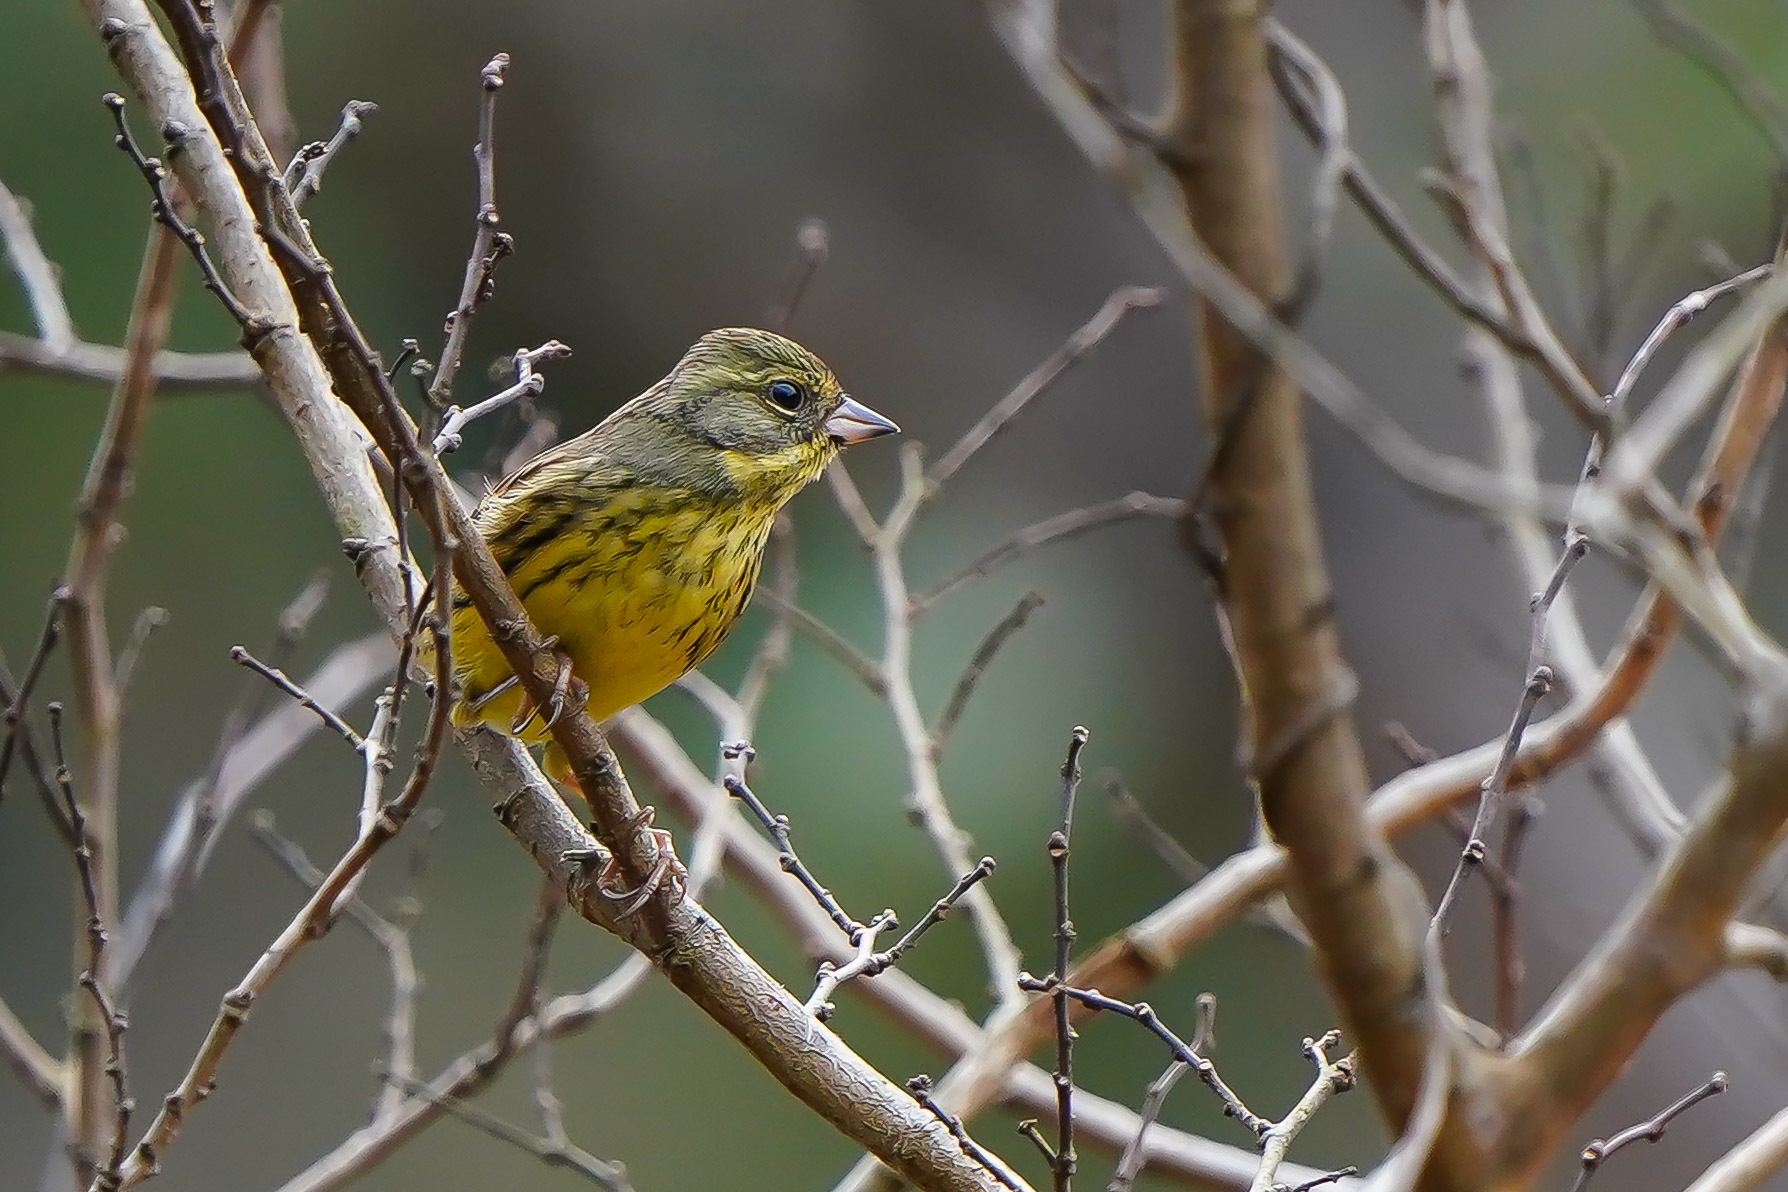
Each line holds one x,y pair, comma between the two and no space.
654,161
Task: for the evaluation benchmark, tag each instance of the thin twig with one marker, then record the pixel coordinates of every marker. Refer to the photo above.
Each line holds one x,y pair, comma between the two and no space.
1600,1150
778,828
1130,1162
13,719
304,177
1505,897
865,669
1052,529
147,622
555,1153
390,934
208,803
1143,1014
489,246
314,918
162,207
1060,841
869,963
1331,1078
91,976
1539,682
528,386
920,1087
1075,349
983,657
277,677
813,242
1676,317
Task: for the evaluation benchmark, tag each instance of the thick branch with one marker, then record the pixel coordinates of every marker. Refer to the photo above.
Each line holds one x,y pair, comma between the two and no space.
1361,906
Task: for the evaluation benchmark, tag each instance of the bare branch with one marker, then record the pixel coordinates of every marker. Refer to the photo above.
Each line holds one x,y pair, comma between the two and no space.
555,1153
1144,1015
920,1088
244,759
1077,347
304,177
528,385
1071,524
37,275
175,372
277,677
865,669
1651,1130
1331,1077
489,246
982,658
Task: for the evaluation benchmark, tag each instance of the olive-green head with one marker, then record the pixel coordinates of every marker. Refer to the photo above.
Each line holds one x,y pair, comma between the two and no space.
769,404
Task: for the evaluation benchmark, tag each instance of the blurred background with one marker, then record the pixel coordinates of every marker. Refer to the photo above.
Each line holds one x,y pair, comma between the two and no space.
654,162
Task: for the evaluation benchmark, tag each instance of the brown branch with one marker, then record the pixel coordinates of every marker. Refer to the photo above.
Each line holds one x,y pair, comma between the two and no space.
1670,938
1350,890
110,477
90,978
1313,96
1027,30
556,1153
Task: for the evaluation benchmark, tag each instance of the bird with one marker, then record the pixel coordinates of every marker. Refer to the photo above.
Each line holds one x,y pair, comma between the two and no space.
635,546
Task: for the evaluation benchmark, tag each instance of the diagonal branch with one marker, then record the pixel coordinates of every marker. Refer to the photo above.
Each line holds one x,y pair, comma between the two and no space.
696,954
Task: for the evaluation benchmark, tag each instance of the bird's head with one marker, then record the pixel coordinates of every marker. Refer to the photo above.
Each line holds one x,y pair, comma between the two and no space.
771,407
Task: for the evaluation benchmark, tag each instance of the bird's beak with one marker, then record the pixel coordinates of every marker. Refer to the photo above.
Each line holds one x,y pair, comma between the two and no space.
854,422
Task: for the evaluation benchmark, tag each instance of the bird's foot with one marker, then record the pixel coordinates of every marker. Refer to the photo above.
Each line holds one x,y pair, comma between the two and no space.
667,867
555,706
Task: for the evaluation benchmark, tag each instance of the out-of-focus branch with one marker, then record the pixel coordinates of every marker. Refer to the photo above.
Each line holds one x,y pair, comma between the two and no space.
43,286
1027,29
109,479
39,1071
1671,937
1725,65
1746,1166
1362,908
175,372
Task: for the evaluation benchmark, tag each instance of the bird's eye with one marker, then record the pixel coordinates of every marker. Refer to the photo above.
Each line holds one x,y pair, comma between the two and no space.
787,394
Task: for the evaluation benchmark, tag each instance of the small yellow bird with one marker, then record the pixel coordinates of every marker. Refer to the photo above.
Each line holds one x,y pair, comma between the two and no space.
637,544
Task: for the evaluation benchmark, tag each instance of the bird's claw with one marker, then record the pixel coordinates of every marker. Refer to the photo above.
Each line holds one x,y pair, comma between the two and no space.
555,707
668,866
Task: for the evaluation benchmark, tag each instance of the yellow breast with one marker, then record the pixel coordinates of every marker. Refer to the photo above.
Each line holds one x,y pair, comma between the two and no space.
636,592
